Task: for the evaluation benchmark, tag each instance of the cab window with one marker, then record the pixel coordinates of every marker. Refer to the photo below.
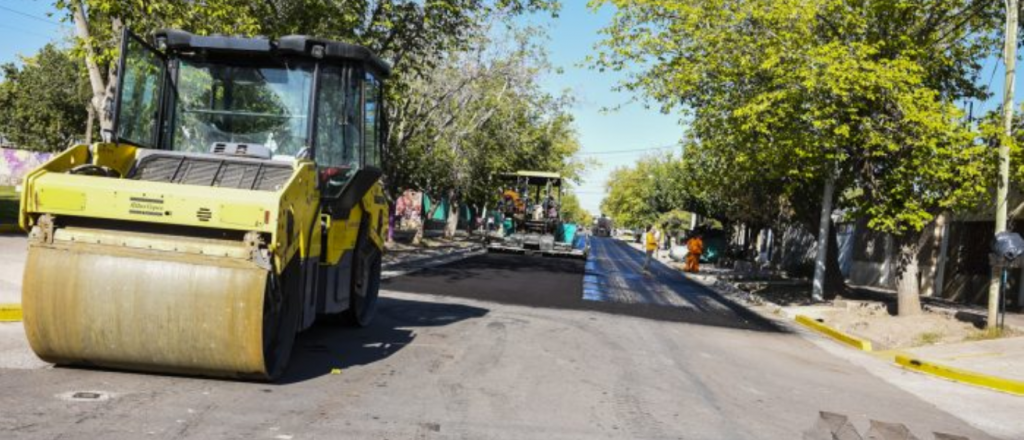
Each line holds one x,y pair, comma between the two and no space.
339,137
138,106
371,90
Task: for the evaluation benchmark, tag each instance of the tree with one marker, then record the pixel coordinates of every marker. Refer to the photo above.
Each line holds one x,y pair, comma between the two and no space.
414,36
639,195
572,212
796,93
485,115
98,25
43,102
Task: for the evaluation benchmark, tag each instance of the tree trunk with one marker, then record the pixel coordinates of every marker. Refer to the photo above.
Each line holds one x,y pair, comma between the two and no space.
908,287
452,222
91,116
817,292
391,222
99,88
835,284
102,91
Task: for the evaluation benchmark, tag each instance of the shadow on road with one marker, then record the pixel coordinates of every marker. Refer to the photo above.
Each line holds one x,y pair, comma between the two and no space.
328,346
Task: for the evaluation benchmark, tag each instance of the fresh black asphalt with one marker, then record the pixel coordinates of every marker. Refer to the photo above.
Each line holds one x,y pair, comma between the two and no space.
610,281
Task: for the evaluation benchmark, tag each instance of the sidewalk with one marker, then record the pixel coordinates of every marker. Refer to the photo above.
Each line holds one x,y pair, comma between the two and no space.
1003,358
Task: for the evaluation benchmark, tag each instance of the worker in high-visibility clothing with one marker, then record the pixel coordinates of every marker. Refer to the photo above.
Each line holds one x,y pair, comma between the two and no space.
650,245
694,248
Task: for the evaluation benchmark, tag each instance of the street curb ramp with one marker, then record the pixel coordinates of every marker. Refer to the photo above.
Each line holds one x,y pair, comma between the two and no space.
957,375
853,341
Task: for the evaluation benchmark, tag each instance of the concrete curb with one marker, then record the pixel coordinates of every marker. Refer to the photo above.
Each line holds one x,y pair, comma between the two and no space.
957,375
10,312
853,341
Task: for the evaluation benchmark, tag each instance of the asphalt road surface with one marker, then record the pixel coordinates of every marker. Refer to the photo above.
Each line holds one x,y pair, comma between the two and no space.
499,347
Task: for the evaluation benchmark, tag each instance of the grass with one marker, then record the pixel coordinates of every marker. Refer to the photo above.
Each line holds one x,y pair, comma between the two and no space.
928,338
987,334
8,205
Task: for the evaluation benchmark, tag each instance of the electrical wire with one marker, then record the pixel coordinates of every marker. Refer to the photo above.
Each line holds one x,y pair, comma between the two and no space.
34,17
16,29
635,150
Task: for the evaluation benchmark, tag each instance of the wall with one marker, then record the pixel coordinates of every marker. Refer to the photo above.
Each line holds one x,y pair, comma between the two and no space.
14,164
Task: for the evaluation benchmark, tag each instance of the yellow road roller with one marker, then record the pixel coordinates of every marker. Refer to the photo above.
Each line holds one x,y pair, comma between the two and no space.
237,198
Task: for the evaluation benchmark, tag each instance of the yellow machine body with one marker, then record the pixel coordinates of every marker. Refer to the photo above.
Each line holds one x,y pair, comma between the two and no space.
171,277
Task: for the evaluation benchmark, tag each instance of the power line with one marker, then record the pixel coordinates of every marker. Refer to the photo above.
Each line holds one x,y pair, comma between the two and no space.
635,150
24,31
34,17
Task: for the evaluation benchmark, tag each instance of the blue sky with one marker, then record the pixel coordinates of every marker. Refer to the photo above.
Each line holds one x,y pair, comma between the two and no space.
24,27
571,38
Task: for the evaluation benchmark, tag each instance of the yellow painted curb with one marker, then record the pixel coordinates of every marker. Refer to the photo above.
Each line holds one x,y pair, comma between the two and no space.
10,312
958,375
852,341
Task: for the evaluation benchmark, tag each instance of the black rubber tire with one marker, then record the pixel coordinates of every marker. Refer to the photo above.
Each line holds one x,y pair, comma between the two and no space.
281,309
365,289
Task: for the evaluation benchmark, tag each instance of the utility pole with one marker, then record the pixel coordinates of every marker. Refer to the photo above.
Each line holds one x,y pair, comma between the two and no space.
1010,59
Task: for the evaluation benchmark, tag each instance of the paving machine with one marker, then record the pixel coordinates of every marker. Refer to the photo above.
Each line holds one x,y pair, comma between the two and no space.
530,217
237,200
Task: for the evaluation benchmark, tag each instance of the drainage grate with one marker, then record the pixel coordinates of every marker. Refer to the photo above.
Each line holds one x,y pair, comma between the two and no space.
85,396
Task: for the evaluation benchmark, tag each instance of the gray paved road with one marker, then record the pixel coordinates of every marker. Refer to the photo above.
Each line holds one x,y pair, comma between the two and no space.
453,367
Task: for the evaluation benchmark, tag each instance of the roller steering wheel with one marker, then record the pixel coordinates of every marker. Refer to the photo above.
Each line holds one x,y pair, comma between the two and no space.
95,170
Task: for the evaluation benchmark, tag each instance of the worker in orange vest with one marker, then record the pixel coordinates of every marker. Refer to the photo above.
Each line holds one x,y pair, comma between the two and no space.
694,247
650,245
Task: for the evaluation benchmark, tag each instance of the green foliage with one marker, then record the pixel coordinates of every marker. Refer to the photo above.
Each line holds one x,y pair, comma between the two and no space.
106,17
481,114
782,94
927,338
675,221
572,212
43,102
639,195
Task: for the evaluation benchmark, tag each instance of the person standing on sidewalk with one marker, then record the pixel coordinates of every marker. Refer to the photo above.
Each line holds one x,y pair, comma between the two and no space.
694,248
650,245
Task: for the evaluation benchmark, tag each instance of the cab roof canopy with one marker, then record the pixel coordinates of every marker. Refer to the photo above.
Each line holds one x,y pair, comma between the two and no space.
535,177
292,45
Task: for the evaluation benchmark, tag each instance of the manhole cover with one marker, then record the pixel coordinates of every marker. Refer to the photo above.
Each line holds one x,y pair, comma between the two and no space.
85,396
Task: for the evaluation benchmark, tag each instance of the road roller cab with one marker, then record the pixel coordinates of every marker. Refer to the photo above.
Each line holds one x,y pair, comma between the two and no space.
237,199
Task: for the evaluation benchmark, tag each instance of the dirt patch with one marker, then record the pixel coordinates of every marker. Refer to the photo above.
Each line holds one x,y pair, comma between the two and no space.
872,321
398,251
783,293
